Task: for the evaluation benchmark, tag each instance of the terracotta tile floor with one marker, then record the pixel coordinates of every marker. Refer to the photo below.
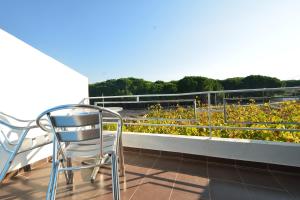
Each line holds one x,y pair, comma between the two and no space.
155,178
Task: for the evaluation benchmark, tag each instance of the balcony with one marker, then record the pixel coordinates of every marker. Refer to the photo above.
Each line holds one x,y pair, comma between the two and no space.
160,165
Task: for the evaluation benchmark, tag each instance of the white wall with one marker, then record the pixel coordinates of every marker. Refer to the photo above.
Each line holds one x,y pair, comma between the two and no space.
281,153
31,82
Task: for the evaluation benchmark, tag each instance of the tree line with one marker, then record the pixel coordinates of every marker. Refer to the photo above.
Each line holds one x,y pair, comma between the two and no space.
131,86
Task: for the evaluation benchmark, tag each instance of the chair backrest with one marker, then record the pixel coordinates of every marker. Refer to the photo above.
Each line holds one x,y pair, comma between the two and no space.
77,127
75,122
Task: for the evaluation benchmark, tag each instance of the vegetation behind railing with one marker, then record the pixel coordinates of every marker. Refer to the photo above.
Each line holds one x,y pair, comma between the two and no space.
262,113
285,116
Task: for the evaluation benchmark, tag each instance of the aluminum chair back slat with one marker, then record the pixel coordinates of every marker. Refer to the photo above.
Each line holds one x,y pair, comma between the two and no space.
75,120
80,135
76,127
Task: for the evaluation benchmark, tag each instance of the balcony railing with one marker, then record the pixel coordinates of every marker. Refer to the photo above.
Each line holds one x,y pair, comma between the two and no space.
214,112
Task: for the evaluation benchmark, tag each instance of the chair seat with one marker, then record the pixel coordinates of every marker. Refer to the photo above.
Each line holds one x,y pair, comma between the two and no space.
91,148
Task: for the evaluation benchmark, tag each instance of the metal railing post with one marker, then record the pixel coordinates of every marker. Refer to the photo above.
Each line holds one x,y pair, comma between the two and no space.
195,108
209,114
102,100
215,99
224,108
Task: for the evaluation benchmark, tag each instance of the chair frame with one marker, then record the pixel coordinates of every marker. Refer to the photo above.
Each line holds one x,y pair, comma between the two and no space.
16,145
59,158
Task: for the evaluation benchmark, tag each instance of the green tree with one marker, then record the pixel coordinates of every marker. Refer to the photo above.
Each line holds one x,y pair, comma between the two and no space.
257,81
212,85
292,83
232,83
126,86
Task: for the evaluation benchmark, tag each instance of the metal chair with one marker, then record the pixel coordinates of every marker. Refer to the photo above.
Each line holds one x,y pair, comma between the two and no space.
78,133
14,140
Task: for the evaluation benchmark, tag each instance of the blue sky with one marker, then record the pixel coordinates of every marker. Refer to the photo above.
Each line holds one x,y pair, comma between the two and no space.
162,39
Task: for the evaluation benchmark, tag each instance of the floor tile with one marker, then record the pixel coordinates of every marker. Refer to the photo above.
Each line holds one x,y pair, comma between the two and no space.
224,172
290,182
260,193
226,190
258,178
135,173
159,181
191,182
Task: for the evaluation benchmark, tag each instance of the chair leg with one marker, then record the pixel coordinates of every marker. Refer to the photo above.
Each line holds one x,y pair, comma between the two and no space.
51,192
70,173
96,170
121,159
55,183
115,177
6,167
48,194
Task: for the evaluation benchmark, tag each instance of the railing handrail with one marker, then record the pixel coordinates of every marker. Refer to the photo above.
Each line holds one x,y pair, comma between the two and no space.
197,93
152,101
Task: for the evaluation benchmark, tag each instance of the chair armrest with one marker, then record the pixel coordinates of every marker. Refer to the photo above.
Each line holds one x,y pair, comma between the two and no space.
19,130
15,119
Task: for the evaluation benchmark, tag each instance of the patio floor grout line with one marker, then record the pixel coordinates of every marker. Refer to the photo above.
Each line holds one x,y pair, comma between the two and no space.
237,165
252,168
177,172
277,180
285,173
219,163
243,182
209,192
147,172
249,184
